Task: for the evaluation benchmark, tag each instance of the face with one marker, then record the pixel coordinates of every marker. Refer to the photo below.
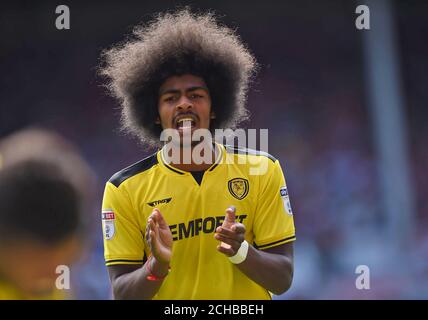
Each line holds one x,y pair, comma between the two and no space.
184,104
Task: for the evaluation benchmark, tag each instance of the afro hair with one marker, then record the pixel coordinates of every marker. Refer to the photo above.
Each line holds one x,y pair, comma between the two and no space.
175,44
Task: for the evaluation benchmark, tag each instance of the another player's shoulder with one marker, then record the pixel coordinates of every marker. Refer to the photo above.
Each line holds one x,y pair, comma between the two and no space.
249,152
141,166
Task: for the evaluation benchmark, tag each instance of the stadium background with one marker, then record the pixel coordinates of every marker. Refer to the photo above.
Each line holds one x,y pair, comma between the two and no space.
315,94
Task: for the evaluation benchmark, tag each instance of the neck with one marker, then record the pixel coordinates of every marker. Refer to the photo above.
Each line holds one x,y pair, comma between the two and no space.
194,158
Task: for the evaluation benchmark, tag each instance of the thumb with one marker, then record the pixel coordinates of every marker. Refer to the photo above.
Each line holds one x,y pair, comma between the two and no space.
230,214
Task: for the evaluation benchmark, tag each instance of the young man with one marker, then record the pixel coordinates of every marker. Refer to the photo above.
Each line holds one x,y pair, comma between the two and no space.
175,229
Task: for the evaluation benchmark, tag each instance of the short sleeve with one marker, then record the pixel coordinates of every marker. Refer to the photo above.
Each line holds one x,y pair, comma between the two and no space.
273,223
123,238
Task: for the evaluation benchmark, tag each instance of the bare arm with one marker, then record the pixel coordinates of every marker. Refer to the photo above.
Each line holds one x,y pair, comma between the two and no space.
131,281
271,268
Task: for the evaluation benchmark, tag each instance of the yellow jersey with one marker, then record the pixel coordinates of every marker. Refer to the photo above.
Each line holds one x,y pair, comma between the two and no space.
10,292
252,181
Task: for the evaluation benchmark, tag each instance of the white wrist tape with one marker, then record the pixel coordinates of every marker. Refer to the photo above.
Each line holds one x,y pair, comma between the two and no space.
241,255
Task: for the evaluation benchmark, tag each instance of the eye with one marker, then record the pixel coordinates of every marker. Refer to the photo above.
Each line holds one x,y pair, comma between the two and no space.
195,96
169,98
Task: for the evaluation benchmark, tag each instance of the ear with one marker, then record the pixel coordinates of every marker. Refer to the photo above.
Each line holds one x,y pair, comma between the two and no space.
212,115
157,121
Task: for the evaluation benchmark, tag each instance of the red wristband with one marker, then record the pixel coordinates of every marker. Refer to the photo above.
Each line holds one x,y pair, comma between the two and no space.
151,276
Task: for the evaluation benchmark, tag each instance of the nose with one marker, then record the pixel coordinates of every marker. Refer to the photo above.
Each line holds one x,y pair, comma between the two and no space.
184,104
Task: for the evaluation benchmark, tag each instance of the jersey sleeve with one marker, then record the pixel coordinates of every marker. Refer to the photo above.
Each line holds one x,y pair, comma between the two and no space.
273,223
123,238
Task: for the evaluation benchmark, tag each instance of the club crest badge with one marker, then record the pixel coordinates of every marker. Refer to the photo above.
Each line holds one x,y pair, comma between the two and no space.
239,188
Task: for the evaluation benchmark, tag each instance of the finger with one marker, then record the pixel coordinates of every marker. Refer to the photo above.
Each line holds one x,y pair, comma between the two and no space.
225,245
148,228
147,235
151,232
238,228
228,252
160,219
154,215
153,242
152,235
239,238
152,225
230,215
238,234
236,231
235,244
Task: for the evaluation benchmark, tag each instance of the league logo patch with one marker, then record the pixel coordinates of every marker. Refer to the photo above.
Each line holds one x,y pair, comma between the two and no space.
108,223
239,188
286,200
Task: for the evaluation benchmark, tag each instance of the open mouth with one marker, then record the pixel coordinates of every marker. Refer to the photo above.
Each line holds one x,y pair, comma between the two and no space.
185,123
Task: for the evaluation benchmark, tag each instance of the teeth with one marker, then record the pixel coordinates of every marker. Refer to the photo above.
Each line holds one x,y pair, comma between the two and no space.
185,119
185,122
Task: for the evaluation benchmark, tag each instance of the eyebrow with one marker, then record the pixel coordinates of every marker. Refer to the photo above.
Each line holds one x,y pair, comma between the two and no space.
187,90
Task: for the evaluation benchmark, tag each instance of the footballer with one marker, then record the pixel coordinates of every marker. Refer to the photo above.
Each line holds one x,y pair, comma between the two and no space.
198,229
